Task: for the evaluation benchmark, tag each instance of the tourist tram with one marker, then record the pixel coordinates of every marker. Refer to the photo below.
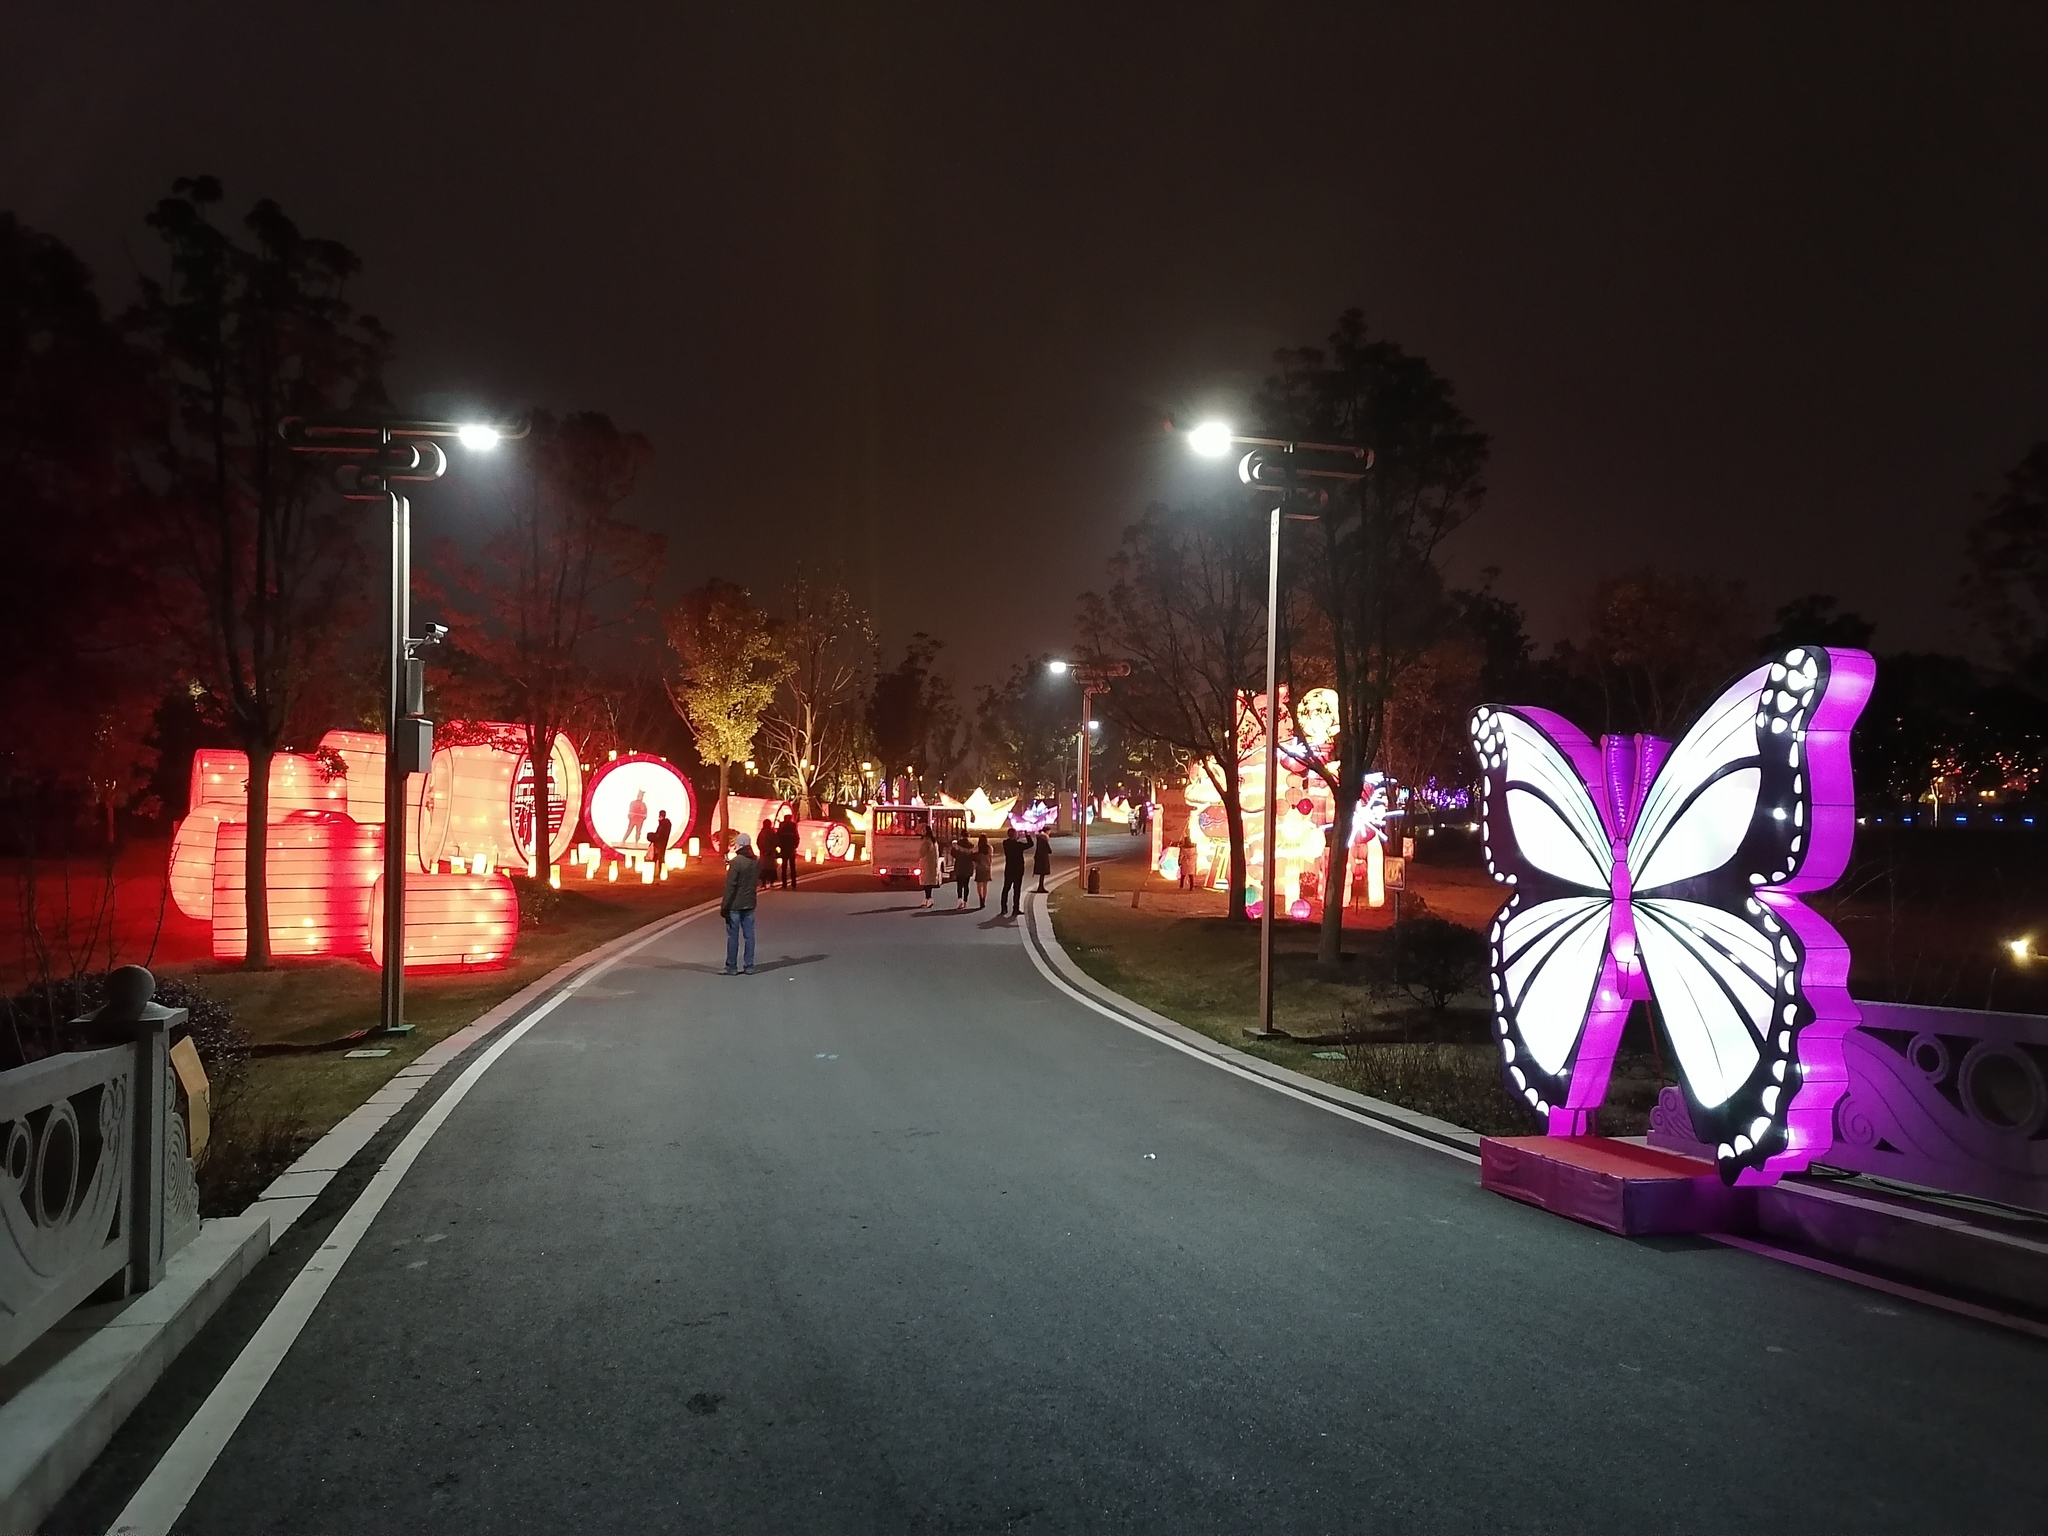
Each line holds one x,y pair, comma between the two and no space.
896,837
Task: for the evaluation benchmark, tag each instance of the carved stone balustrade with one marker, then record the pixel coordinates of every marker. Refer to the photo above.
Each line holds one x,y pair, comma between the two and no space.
96,1187
1947,1098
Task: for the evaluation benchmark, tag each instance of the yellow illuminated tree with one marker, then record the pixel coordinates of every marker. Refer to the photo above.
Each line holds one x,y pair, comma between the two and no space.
731,662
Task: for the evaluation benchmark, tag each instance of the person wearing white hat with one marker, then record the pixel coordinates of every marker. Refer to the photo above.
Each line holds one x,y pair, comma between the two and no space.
742,880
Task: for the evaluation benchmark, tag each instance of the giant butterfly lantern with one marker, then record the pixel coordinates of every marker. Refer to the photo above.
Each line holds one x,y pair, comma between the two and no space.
1645,870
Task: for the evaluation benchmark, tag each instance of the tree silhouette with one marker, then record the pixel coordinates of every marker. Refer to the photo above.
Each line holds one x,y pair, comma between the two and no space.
1369,566
248,332
812,729
560,571
1186,608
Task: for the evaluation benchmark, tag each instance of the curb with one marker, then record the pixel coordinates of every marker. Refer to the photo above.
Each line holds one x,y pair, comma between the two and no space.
1427,1130
92,1369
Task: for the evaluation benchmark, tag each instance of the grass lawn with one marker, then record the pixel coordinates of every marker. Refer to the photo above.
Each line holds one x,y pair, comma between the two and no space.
1179,955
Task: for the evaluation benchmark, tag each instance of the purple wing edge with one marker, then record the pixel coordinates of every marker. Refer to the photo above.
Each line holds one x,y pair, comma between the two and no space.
1823,1073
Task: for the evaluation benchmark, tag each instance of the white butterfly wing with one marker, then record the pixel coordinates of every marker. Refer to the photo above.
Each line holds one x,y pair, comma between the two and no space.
1704,798
1547,961
1715,979
1551,818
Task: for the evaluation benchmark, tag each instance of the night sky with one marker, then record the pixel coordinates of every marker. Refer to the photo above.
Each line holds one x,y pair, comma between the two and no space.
1749,291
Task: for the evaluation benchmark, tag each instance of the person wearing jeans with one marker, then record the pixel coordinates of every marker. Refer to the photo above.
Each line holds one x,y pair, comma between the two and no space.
742,881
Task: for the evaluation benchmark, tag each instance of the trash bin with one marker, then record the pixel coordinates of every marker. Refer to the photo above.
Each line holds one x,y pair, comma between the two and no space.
1094,880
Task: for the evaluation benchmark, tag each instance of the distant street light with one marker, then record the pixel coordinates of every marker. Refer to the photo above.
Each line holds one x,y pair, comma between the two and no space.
1093,680
373,457
1275,464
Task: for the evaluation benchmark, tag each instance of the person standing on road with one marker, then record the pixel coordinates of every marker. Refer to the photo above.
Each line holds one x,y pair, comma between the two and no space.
1186,848
1041,858
1012,900
963,868
766,844
785,845
983,858
658,841
928,866
736,906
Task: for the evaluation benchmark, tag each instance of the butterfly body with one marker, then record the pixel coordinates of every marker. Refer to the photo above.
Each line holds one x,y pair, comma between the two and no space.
1643,869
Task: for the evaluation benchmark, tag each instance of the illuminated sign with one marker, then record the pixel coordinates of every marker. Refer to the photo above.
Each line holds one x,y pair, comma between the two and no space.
627,797
1642,868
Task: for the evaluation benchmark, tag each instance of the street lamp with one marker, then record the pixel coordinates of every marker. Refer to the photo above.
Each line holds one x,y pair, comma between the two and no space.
1277,464
373,458
1093,680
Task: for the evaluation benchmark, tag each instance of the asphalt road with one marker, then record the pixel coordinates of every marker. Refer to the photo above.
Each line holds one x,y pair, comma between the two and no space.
896,1237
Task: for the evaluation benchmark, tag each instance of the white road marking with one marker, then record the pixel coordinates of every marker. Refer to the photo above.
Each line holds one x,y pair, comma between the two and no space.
162,1498
1231,1067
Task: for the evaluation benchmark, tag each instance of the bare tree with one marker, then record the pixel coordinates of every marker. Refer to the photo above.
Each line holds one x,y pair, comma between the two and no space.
812,729
1186,608
563,570
248,334
1370,567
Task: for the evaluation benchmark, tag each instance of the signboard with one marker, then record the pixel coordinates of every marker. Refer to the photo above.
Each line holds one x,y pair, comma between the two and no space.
1397,874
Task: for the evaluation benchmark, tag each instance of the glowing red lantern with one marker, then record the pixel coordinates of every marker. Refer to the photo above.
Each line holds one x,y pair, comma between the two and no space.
319,872
192,859
626,798
452,922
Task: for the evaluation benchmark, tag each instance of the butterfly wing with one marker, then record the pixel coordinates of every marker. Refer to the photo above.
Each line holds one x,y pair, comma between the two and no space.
1556,1009
1753,804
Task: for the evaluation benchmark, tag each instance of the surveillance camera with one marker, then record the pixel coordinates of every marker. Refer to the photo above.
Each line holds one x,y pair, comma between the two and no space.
436,633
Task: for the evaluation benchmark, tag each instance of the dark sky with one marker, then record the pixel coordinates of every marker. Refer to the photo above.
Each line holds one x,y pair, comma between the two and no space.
1755,291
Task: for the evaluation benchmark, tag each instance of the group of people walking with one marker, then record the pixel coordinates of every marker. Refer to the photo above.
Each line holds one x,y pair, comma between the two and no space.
964,861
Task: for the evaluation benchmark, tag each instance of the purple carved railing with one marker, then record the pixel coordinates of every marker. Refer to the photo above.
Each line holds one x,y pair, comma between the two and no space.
1943,1097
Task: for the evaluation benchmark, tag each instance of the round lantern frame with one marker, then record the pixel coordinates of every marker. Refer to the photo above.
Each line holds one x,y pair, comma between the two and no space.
605,770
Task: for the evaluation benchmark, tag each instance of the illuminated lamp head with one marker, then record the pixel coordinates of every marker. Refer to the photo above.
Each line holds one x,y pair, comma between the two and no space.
1211,439
477,437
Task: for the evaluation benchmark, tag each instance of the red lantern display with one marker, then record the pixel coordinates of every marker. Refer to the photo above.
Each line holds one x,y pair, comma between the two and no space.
321,867
452,922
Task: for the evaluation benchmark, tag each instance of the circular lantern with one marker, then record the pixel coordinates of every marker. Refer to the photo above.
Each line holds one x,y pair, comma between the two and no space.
626,798
477,800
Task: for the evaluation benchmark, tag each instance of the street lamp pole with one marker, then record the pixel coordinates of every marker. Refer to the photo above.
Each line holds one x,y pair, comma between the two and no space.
1093,680
1275,464
372,460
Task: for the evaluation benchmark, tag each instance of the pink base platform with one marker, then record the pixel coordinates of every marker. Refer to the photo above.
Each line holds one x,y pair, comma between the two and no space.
1619,1185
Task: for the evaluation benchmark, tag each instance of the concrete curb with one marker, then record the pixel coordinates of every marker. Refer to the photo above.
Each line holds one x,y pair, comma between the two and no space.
75,1385
292,1193
1039,936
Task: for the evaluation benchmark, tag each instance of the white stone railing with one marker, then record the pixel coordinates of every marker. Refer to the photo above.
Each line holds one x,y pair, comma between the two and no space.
96,1186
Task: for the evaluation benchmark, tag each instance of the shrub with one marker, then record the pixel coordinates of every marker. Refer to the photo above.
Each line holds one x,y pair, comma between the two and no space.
42,1025
537,900
1438,959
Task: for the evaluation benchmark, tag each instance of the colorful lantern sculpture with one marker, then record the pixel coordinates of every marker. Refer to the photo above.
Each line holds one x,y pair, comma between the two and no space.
627,796
478,799
1303,817
1639,868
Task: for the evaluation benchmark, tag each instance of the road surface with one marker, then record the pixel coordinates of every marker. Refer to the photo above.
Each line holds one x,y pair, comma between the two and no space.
896,1237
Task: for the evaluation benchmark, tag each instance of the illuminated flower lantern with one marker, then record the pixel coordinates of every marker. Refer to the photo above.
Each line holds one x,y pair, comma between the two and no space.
1639,869
625,800
478,800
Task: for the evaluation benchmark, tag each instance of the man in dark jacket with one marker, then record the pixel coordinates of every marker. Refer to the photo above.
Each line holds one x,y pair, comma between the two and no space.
1012,900
1041,858
785,845
742,880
